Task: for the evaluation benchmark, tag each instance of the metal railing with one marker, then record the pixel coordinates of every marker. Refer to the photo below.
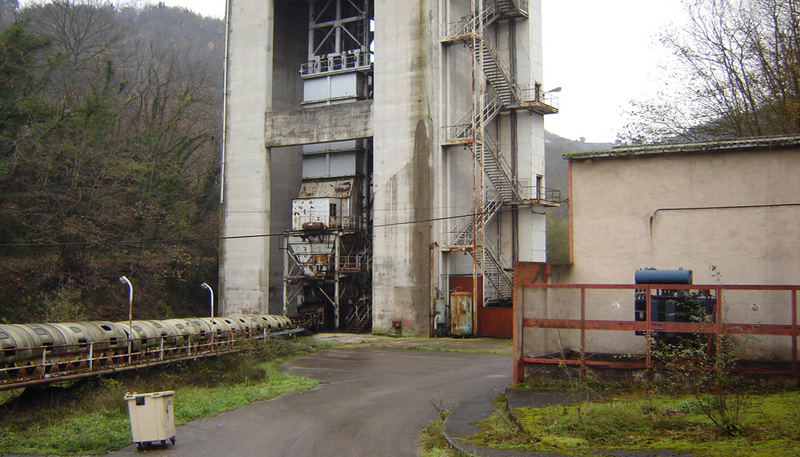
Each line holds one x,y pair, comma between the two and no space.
350,60
538,194
467,25
536,95
462,129
353,262
573,308
78,360
520,6
328,223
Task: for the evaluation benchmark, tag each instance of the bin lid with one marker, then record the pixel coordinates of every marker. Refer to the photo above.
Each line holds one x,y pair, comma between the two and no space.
166,393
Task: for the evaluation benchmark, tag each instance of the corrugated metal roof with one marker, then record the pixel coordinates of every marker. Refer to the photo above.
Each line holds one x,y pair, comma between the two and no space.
738,144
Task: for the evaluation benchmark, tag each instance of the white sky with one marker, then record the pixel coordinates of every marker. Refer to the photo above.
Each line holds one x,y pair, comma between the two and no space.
601,53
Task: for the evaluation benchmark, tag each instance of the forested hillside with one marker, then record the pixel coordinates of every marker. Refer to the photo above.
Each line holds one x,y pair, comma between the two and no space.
110,122
556,176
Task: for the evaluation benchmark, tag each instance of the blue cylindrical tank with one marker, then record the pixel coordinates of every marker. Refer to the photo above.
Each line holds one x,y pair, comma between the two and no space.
653,276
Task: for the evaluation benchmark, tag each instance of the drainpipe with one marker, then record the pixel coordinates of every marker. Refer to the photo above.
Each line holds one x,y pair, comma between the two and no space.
225,102
433,247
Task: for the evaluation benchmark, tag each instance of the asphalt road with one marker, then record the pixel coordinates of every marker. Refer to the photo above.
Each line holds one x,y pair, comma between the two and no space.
372,402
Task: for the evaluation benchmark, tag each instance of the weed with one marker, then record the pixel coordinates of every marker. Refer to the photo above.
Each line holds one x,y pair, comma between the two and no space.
432,440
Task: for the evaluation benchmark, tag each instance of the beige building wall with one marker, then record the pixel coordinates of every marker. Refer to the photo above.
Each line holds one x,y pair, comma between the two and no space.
738,211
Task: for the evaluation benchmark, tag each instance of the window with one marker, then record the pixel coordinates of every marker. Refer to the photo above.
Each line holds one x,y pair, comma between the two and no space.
332,212
539,187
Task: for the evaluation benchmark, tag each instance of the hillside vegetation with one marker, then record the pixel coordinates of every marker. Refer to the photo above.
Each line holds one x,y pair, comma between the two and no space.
109,160
556,176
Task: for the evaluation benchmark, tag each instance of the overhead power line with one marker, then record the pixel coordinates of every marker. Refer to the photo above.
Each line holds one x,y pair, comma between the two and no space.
133,243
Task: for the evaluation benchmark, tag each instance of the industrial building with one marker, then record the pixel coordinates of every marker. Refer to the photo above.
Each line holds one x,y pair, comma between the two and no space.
383,161
718,216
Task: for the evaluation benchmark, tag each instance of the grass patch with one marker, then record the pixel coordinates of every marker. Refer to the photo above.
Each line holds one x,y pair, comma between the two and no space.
432,440
90,416
444,345
637,421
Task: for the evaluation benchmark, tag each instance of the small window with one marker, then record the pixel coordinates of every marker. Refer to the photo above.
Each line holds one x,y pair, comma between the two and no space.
40,331
539,179
333,210
76,329
106,328
4,335
157,325
137,328
180,326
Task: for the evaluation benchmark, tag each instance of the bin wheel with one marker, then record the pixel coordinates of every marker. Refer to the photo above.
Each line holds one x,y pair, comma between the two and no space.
172,440
139,446
164,443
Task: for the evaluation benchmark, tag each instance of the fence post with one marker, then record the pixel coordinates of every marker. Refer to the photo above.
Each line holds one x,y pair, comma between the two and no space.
517,332
583,332
794,331
648,325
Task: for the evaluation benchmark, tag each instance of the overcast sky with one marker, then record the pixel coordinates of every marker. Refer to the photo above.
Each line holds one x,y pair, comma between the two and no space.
601,53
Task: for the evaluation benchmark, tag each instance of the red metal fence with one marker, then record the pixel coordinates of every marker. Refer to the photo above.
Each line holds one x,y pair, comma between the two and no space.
716,327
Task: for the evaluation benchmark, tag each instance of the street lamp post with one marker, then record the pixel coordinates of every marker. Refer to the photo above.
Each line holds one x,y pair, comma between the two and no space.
210,296
125,280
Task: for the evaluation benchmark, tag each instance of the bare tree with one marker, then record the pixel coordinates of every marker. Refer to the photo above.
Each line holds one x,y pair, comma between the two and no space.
736,73
88,35
8,9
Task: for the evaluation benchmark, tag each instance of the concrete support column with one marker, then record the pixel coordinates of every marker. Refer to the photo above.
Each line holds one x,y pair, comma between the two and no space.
244,263
404,144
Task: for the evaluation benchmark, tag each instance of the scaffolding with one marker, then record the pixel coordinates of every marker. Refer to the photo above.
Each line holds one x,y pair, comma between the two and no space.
495,182
330,270
327,277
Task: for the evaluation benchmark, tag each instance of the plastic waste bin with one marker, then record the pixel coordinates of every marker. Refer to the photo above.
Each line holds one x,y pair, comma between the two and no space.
152,418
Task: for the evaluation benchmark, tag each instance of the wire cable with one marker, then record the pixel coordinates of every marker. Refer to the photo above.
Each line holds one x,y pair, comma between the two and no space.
133,243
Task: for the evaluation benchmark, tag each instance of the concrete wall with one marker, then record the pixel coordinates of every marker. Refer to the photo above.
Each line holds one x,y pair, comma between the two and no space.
244,263
626,216
690,210
420,86
321,124
267,43
404,144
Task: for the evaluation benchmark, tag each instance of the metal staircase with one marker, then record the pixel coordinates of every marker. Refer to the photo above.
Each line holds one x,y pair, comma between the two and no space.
465,230
462,131
496,72
512,8
489,162
494,272
358,319
497,169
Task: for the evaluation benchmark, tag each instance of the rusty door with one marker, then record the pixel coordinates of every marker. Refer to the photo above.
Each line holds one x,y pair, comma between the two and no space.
461,314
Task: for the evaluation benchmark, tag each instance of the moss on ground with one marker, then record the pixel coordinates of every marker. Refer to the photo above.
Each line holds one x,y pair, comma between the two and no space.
771,426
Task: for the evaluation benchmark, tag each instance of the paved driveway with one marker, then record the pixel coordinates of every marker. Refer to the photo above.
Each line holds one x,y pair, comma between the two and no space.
373,402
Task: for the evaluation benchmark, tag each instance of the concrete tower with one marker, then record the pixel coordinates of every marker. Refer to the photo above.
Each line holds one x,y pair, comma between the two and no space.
434,109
